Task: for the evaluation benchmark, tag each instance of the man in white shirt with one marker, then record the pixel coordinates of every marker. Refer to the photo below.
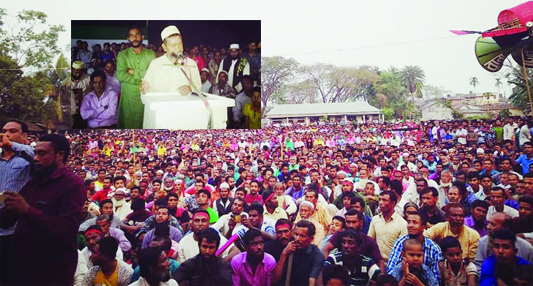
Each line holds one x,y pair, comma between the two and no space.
243,98
525,134
236,67
206,85
497,197
172,72
99,107
111,80
508,130
461,135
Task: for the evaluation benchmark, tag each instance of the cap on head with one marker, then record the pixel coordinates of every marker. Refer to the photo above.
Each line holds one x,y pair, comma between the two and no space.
234,46
204,69
77,65
169,31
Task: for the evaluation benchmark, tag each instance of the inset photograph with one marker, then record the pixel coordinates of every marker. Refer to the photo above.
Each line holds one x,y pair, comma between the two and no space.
170,74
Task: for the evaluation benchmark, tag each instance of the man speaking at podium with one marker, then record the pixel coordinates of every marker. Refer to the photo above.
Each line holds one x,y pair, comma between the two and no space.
173,72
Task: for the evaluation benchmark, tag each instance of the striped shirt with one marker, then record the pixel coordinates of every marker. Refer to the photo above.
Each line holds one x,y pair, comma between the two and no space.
366,267
15,173
432,255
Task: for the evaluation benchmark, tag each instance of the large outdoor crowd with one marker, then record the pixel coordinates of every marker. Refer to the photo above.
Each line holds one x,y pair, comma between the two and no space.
431,203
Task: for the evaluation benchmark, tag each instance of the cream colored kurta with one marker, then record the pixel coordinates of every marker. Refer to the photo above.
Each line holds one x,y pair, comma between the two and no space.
164,76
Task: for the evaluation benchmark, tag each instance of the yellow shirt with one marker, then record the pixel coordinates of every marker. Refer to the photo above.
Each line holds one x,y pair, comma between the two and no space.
278,213
161,151
386,232
255,117
468,237
321,215
102,280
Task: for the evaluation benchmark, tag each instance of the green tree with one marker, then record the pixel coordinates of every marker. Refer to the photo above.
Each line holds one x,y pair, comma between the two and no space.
474,82
413,77
23,42
519,97
505,113
57,91
498,84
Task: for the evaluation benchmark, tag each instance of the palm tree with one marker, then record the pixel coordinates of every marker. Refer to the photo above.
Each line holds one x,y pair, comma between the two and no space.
57,90
474,82
498,84
413,78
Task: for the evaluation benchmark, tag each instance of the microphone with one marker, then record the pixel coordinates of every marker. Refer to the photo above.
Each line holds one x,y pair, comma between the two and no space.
180,58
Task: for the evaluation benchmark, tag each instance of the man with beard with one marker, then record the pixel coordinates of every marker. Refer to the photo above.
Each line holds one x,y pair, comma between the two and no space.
432,214
48,211
301,260
132,64
229,223
92,235
172,72
154,268
121,207
205,268
186,246
162,218
15,165
283,236
223,205
222,87
253,267
99,107
107,270
80,85
497,269
361,268
523,224
496,222
254,59
235,66
415,230
103,193
106,207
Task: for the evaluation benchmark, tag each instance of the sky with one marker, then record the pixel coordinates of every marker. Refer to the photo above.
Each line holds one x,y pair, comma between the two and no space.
340,32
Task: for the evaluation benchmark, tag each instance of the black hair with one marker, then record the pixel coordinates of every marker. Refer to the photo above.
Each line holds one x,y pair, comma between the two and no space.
148,258
138,204
94,226
431,190
526,199
359,215
393,197
396,186
411,241
23,125
172,195
162,229
341,219
336,272
423,217
250,235
204,191
167,242
59,144
449,242
256,89
106,201
266,194
480,203
201,211
161,203
98,73
257,206
311,230
504,234
134,27
283,221
384,279
210,236
118,178
359,200
108,247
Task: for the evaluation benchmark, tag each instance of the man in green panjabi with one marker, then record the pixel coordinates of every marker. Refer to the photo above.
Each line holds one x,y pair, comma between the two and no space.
132,64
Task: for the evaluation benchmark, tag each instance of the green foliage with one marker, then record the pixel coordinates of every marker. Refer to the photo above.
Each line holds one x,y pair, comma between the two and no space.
388,113
33,42
413,77
478,117
474,82
519,98
277,72
457,115
505,113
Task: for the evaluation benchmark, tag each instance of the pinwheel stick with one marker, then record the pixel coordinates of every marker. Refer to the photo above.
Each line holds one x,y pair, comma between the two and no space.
526,76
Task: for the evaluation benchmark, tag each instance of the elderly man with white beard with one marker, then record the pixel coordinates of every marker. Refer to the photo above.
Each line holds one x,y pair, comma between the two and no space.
121,207
306,212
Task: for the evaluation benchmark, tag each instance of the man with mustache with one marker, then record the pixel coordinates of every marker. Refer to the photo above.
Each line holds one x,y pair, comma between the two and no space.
253,267
172,72
283,237
48,211
154,268
132,64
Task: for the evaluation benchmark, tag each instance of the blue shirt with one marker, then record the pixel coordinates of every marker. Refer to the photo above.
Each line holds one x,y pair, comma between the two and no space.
295,194
427,278
15,173
137,272
488,268
524,162
432,256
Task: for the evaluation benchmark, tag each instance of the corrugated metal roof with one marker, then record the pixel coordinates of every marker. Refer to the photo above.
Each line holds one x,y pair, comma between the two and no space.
321,109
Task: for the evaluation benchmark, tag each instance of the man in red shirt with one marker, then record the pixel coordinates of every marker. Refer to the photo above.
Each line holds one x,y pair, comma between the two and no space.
102,194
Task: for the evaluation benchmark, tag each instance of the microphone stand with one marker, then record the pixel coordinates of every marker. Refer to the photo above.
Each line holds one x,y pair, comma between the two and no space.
196,91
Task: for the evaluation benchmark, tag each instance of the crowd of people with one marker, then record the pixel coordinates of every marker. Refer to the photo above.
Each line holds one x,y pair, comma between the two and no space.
431,203
107,82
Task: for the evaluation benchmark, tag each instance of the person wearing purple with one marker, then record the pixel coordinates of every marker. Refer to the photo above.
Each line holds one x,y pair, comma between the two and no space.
99,107
478,219
253,267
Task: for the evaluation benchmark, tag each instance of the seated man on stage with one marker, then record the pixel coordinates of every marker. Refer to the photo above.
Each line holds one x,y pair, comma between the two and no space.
99,107
172,72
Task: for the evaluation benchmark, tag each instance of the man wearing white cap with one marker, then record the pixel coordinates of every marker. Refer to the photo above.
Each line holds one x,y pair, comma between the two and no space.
132,64
235,66
206,85
172,72
80,85
222,87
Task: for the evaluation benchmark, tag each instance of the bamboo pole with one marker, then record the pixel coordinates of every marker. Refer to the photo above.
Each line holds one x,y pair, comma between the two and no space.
526,77
134,147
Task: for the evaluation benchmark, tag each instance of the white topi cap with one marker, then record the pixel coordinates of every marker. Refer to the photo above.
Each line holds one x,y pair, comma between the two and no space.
168,31
234,46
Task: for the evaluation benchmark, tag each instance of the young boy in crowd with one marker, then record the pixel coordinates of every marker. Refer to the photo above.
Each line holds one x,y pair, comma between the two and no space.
453,270
413,271
386,280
